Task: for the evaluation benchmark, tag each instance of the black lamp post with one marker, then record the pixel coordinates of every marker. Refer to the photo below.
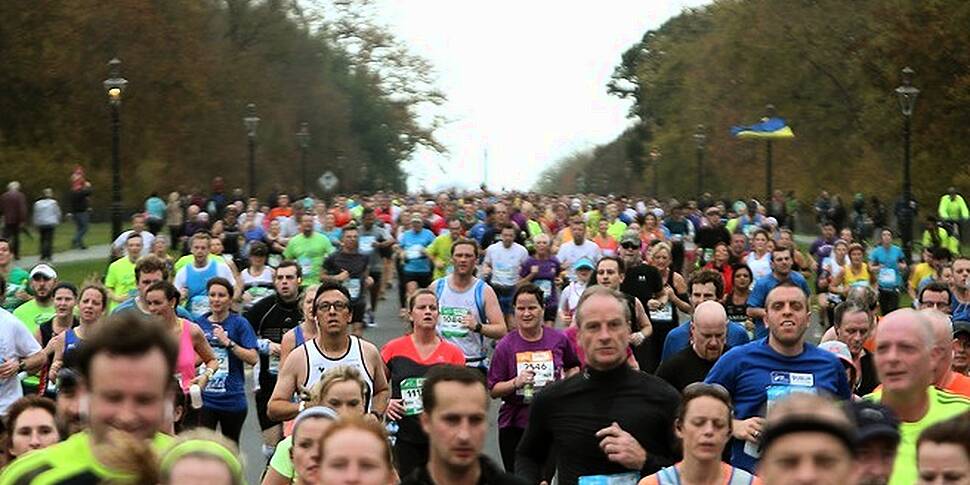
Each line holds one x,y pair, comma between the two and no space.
115,87
303,139
907,94
769,113
251,121
701,140
655,158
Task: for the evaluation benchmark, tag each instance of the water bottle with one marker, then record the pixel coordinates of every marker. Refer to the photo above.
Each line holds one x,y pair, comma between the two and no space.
195,393
528,392
392,428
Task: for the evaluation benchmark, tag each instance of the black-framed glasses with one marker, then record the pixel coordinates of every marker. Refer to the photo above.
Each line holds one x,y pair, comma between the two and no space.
629,245
336,305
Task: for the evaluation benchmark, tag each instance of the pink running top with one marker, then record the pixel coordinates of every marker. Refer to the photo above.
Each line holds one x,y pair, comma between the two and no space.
185,365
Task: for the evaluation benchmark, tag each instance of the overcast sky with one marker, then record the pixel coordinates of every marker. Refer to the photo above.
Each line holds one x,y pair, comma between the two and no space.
525,80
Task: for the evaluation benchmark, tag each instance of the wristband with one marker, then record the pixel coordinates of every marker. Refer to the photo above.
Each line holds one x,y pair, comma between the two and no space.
478,327
231,345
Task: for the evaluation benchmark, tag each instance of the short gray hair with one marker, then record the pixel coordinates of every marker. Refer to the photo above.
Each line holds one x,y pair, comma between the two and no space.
600,290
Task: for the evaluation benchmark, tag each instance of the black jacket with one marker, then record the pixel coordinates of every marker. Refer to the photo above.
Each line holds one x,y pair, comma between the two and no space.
491,475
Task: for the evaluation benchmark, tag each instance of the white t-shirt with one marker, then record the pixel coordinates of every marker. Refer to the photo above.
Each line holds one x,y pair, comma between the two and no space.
147,239
760,267
505,262
569,253
16,343
222,271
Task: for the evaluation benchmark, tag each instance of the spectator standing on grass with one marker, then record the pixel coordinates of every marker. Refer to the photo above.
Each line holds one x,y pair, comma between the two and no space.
13,204
47,215
79,204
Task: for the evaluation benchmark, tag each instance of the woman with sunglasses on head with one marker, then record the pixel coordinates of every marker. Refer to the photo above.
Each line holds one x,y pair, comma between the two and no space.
407,359
703,425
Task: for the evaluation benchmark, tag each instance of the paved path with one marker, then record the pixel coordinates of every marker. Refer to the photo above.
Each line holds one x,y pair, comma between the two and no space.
99,251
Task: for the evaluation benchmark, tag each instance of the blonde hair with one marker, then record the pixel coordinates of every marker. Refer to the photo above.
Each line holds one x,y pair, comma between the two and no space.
208,445
332,376
660,246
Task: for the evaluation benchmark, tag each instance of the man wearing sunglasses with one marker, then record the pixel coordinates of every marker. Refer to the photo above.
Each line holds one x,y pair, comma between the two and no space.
333,346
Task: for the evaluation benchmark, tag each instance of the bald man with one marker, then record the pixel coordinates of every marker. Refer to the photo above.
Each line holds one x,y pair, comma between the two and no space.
906,354
943,375
708,334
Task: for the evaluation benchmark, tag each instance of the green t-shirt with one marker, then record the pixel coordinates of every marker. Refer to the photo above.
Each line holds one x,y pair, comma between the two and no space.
309,253
32,314
943,405
70,461
120,279
16,281
616,229
440,250
281,461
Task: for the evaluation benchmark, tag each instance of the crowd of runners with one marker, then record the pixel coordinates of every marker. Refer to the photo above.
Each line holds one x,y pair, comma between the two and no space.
629,340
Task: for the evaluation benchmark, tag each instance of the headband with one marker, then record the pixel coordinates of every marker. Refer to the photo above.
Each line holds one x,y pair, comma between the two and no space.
204,447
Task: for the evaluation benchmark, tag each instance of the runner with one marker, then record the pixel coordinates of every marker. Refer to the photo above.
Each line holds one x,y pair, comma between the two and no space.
90,308
20,353
32,426
41,308
583,269
308,249
781,262
632,440
333,346
191,279
193,348
138,221
943,454
120,278
349,268
703,426
708,342
469,309
416,269
502,264
664,311
542,269
905,354
65,297
736,302
705,285
234,343
760,373
127,364
272,317
609,273
759,259
407,359
375,242
306,330
17,278
944,377
853,327
577,248
525,362
606,242
257,278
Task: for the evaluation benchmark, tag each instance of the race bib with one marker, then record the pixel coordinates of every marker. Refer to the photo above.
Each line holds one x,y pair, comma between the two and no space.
199,305
450,321
218,381
411,395
414,251
782,385
274,260
367,245
306,264
505,275
274,364
887,277
353,287
546,287
630,478
540,363
663,314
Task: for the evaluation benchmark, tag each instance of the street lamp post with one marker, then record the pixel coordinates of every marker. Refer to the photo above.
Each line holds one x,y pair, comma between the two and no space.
115,87
655,158
251,121
769,113
303,139
701,140
907,94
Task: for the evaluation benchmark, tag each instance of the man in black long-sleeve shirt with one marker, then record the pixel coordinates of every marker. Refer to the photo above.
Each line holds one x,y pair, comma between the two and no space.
609,419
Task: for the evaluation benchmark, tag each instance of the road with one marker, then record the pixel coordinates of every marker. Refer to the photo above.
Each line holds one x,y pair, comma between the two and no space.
389,326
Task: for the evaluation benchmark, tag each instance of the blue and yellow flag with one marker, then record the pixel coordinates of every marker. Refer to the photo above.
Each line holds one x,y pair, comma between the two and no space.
768,129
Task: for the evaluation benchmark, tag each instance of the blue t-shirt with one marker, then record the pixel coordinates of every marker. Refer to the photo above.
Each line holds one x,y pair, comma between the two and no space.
226,390
679,338
756,376
889,277
759,294
413,244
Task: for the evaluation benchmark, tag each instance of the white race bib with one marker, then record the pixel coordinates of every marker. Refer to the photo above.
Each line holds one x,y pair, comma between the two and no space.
353,287
414,251
367,245
411,395
540,363
663,314
218,381
450,321
887,277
